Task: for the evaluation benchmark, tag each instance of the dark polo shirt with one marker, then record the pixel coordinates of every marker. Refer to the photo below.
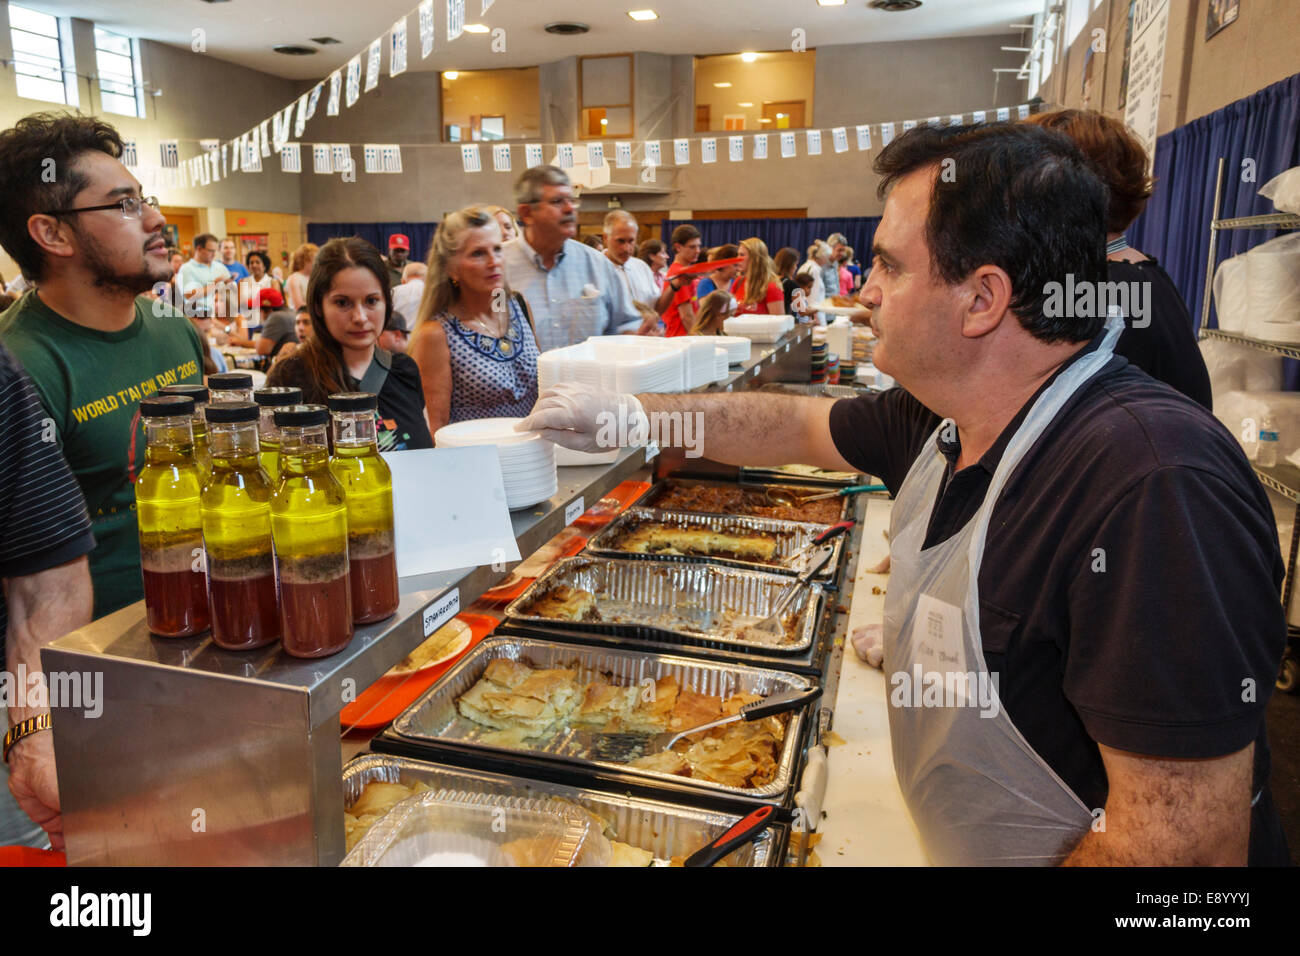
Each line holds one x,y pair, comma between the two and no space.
1130,587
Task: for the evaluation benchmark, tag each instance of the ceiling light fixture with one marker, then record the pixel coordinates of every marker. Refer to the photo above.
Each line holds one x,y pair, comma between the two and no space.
475,28
894,6
324,41
566,28
722,86
830,3
292,49
642,15
745,105
749,57
449,74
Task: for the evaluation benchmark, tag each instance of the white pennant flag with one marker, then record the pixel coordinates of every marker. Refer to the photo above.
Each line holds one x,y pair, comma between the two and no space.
814,141
169,153
426,28
1022,111
253,158
681,151
564,155
1004,114
321,158
623,155
208,145
370,158
300,117
886,133
236,153
933,121
290,158
908,124
332,105
864,137
391,157
313,98
372,63
709,150
341,158
487,5
840,139
397,49
653,157
469,157
501,158
264,140
280,124
214,161
201,164
787,145
225,151
979,116
760,146
354,81
735,148
533,155
955,119
455,20
595,154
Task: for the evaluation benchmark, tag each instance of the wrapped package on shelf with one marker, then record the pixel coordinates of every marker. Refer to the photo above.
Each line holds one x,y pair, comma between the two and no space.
1243,413
1273,290
1284,190
1239,368
1231,294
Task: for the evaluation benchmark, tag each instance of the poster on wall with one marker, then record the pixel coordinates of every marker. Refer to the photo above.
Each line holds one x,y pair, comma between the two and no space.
1128,45
1219,14
1146,67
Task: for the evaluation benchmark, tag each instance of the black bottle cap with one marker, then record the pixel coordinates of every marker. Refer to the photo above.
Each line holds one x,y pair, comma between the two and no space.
297,416
166,406
353,402
226,412
230,381
278,396
197,392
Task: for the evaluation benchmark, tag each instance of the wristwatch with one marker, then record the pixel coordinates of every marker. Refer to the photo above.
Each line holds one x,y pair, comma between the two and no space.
24,729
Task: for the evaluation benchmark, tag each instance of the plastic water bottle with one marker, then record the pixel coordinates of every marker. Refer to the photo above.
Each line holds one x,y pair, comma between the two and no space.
1266,457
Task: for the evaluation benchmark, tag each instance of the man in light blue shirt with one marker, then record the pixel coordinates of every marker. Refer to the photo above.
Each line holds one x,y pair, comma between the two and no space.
571,289
202,278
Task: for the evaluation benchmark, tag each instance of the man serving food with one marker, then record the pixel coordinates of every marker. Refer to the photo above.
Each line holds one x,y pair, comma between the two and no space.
1083,538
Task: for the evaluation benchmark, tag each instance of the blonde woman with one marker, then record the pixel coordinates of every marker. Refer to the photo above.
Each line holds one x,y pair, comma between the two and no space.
473,338
715,308
758,290
506,220
295,287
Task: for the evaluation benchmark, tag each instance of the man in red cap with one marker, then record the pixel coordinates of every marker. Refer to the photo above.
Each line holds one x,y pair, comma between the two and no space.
277,324
399,248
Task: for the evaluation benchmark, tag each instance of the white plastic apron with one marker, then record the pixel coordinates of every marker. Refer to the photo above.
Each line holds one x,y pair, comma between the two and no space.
979,794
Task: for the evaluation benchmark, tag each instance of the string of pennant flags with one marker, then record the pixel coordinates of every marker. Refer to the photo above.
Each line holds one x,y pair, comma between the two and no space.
281,133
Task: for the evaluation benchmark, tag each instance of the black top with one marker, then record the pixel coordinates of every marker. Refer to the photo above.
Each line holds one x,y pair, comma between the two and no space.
1130,581
400,419
788,287
279,327
42,512
1163,342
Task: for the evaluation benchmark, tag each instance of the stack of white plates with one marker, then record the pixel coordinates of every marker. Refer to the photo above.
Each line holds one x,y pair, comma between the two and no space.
721,367
621,363
738,347
759,328
527,460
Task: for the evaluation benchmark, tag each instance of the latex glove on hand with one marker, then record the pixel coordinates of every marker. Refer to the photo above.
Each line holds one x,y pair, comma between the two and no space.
868,643
585,418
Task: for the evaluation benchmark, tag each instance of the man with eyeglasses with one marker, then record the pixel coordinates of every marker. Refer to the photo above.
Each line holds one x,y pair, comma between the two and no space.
93,345
572,289
203,278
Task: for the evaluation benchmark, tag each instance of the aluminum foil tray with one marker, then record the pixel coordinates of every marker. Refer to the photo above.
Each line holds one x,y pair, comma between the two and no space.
433,718
652,497
641,590
665,829
791,537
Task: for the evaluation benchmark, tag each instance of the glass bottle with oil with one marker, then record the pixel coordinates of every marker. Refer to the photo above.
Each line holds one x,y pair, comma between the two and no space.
236,508
167,507
230,387
268,400
368,487
309,525
198,424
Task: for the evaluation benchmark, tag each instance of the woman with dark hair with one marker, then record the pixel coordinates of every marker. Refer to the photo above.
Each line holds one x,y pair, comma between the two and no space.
348,298
250,288
1162,340
653,253
784,264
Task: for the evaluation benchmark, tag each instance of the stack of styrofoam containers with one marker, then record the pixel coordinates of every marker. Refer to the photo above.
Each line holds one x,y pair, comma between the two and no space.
721,367
633,366
738,347
759,328
695,351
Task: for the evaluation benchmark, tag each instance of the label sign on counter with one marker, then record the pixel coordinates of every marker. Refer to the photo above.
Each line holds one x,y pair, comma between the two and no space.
651,452
572,510
440,611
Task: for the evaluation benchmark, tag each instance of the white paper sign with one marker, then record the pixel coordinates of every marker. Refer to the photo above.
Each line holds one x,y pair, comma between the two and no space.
886,133
332,105
760,146
735,148
813,138
129,154
979,116
264,137
652,154
595,154
313,99
391,158
840,138
1004,114
320,158
623,155
501,158
290,158
300,118
1022,111
341,157
533,155
787,145
236,153
455,18
933,121
426,28
955,119
354,80
681,151
280,124
467,524
225,149
1146,64
937,637
370,160
439,612
572,510
564,155
864,137
372,63
469,158
397,48
709,150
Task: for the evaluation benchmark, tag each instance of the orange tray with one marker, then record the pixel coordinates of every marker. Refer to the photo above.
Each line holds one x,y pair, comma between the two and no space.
612,505
30,856
389,696
501,594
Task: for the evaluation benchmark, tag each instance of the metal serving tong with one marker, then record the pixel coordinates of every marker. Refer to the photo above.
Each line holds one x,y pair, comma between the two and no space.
834,531
770,627
780,496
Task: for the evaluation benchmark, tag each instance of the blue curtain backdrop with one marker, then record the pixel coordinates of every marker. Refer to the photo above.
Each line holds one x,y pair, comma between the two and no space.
798,233
376,233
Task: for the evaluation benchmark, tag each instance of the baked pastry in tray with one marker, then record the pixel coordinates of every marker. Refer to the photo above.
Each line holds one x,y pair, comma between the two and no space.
654,538
564,603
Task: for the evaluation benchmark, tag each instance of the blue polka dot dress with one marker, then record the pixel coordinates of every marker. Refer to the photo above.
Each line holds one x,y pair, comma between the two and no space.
492,378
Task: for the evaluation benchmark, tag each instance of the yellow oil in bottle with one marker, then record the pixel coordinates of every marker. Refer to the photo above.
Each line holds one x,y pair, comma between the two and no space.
236,508
310,528
268,400
167,494
368,487
198,425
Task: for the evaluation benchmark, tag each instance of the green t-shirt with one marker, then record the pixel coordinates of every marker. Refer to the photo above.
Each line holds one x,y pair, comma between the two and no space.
91,383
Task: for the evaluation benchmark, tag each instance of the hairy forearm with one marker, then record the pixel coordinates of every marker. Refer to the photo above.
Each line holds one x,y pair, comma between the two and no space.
42,608
749,429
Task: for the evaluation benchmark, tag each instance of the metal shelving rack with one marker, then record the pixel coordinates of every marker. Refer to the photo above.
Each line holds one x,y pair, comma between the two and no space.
1283,478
